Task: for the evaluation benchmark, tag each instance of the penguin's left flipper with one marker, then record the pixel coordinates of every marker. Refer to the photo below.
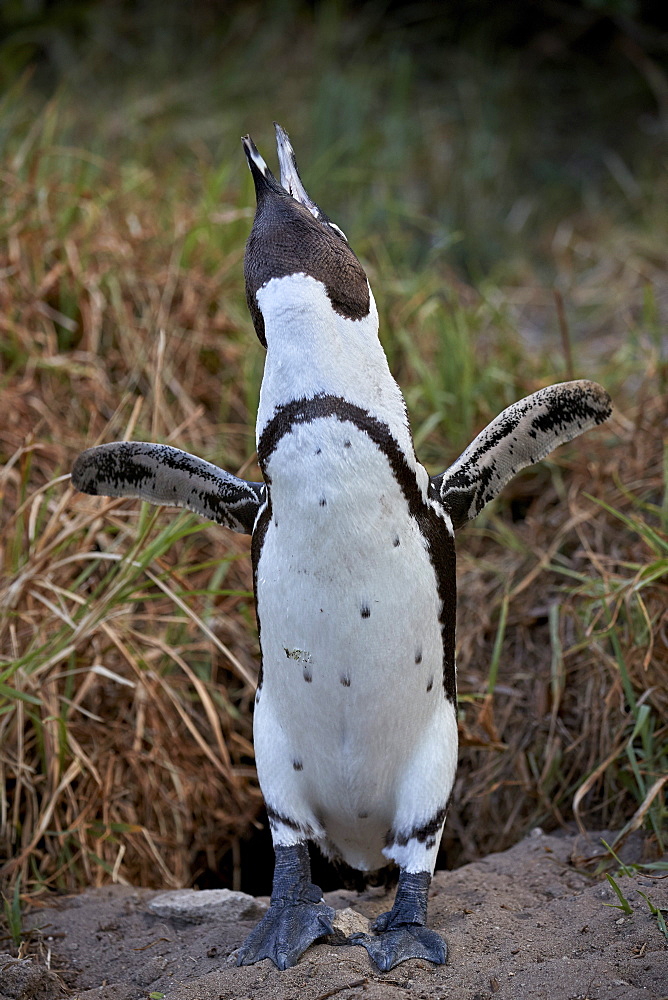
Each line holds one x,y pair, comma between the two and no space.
164,475
522,434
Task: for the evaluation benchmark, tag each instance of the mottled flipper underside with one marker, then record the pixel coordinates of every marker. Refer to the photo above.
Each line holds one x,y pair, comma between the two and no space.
164,475
522,434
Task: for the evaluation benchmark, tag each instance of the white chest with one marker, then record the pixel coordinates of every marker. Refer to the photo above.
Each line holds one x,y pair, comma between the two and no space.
349,614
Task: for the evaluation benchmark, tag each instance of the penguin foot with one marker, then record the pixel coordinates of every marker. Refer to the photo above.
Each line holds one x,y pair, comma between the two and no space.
297,915
400,933
398,944
285,932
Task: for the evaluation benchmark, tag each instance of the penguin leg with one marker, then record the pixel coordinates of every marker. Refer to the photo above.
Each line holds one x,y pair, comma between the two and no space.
401,933
412,844
296,917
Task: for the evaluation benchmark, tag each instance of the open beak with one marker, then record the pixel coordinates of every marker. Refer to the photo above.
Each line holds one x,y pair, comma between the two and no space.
291,182
290,178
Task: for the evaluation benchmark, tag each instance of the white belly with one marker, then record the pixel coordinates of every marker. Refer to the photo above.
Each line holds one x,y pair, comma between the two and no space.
351,644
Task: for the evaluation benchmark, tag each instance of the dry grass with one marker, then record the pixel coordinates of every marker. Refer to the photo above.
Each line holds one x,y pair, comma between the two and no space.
129,651
571,718
127,640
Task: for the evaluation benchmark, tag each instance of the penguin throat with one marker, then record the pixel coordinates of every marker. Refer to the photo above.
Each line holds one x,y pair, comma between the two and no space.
312,350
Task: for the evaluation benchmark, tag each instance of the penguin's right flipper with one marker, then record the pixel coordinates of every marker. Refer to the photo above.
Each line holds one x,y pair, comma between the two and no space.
165,475
521,435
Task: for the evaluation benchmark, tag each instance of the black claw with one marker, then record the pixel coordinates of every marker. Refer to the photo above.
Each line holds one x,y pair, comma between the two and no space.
391,947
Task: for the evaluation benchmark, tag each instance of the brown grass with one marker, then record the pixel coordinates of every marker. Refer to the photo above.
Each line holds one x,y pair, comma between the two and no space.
553,734
140,771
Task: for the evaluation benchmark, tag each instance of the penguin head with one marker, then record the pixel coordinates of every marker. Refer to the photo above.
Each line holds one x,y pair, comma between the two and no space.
292,235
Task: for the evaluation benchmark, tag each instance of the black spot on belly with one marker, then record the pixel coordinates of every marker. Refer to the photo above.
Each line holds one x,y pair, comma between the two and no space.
430,684
275,522
347,444
362,815
418,656
345,680
308,676
297,765
322,502
318,451
396,541
365,611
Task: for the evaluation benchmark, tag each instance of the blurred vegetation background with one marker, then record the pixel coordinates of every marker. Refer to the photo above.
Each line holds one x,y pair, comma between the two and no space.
501,171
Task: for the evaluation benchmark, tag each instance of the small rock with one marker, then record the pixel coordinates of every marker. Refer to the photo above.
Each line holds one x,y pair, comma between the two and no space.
349,921
195,906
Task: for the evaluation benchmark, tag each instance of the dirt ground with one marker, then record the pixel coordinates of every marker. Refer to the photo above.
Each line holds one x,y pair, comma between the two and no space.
525,924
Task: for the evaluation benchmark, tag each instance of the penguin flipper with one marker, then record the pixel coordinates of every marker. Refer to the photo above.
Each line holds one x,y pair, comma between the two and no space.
522,434
165,475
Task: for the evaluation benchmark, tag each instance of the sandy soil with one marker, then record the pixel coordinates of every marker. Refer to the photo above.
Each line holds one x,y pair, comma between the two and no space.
521,925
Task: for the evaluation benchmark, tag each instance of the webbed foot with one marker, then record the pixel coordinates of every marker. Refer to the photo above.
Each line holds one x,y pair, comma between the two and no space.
285,932
391,947
296,917
401,933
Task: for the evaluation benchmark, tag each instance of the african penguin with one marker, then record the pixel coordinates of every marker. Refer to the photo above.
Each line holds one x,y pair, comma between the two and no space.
354,571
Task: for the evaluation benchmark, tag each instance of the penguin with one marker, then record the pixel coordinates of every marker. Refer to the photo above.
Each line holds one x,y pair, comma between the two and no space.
355,720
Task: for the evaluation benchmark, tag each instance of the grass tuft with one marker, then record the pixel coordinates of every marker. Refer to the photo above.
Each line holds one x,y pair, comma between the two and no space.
12,913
